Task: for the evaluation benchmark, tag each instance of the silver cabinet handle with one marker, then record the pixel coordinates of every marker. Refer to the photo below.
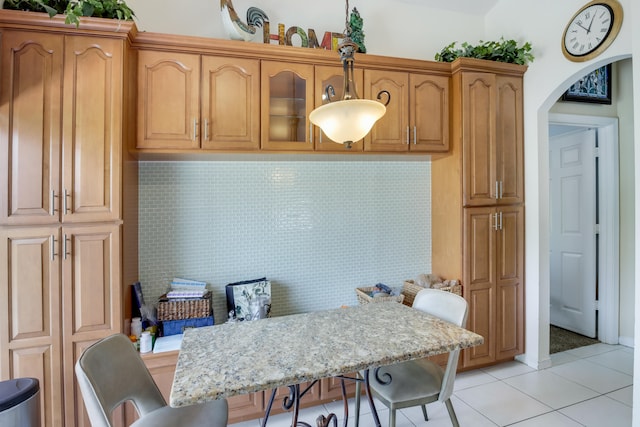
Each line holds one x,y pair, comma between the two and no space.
311,133
500,223
65,204
407,135
64,247
52,208
52,249
195,129
497,193
415,135
206,129
495,221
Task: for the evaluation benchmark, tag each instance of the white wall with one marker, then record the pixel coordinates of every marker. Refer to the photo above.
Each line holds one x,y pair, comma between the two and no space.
398,28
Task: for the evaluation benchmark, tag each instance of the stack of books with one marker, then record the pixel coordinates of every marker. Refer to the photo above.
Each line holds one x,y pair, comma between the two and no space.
185,288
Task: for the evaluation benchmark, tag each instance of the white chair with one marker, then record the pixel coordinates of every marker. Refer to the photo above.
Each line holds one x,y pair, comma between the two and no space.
418,382
110,372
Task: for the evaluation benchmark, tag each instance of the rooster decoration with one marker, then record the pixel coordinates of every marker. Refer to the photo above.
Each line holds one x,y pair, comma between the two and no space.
237,29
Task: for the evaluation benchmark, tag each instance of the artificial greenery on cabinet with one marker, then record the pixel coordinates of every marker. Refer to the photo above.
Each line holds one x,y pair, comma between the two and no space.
501,51
75,9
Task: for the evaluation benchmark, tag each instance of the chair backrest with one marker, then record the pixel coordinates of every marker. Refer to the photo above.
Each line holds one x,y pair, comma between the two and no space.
451,308
111,372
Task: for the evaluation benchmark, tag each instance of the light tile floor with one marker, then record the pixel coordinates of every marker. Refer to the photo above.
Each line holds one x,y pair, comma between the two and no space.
587,386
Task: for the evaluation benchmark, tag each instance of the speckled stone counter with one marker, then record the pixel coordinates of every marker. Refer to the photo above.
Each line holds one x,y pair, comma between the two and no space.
221,361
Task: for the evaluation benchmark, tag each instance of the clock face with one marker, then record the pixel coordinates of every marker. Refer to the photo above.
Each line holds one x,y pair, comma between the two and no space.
588,30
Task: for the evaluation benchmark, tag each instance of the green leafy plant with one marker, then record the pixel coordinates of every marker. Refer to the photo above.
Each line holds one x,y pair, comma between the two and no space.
75,9
501,51
357,35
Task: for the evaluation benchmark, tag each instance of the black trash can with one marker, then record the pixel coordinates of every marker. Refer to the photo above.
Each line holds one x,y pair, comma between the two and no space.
19,403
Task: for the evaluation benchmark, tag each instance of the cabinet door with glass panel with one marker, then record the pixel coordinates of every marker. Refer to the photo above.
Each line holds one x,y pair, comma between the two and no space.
287,100
334,76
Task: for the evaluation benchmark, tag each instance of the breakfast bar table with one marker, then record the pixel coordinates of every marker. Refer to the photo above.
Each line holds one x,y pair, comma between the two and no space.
216,362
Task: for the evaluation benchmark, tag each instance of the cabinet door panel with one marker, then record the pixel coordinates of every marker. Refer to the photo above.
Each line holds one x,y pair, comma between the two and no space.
509,140
429,113
230,103
391,132
30,137
244,407
478,133
481,321
91,132
168,100
91,278
479,282
331,389
333,76
510,283
30,313
287,100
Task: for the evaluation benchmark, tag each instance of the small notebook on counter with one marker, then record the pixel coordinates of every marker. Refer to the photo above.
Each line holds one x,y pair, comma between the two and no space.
168,343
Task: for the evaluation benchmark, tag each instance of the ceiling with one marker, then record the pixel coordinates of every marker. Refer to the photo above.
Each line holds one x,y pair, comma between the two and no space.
475,7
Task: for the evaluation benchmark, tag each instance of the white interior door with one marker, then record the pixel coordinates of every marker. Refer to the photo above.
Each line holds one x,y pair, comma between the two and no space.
572,171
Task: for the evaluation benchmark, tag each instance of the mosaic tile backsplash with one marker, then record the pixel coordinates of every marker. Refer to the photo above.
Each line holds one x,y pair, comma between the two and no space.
315,229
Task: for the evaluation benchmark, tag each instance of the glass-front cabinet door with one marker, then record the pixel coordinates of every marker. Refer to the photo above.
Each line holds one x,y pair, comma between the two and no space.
334,76
287,100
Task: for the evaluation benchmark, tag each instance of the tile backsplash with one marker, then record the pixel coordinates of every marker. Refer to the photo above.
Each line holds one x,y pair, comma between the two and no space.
316,229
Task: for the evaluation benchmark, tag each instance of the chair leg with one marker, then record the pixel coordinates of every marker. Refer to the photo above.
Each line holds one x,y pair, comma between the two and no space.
358,391
392,417
452,413
424,412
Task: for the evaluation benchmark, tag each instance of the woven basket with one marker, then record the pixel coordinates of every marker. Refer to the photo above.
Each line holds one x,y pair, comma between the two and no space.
184,308
410,289
364,296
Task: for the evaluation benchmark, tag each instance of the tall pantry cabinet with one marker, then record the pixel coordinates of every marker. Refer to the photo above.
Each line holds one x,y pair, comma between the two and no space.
478,205
64,114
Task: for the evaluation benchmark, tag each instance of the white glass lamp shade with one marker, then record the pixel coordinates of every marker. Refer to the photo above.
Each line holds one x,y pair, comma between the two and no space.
347,120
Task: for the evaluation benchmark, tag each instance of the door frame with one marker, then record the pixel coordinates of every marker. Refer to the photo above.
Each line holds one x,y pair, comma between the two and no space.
608,213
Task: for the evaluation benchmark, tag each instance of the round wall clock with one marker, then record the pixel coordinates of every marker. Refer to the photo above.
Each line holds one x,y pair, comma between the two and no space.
591,30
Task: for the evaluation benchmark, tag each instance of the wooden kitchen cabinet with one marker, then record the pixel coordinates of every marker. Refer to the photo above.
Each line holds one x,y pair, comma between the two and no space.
486,148
286,101
64,115
30,311
40,275
190,101
493,278
492,128
417,117
60,162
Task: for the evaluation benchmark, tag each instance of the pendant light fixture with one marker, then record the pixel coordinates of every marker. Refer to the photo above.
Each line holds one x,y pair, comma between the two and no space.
350,119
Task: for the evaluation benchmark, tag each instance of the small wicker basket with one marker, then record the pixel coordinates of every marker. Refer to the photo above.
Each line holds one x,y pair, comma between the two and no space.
184,308
410,289
364,296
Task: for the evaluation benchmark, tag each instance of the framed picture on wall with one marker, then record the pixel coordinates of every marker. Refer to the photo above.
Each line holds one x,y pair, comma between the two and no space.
595,87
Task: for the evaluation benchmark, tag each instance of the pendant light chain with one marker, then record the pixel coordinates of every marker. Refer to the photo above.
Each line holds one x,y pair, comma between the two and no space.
347,26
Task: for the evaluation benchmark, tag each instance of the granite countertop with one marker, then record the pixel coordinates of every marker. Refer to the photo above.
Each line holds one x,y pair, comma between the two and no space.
217,362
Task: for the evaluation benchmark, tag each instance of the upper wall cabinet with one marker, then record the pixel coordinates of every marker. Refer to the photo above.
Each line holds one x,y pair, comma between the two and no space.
492,131
188,101
168,100
60,127
200,95
287,100
230,101
417,117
